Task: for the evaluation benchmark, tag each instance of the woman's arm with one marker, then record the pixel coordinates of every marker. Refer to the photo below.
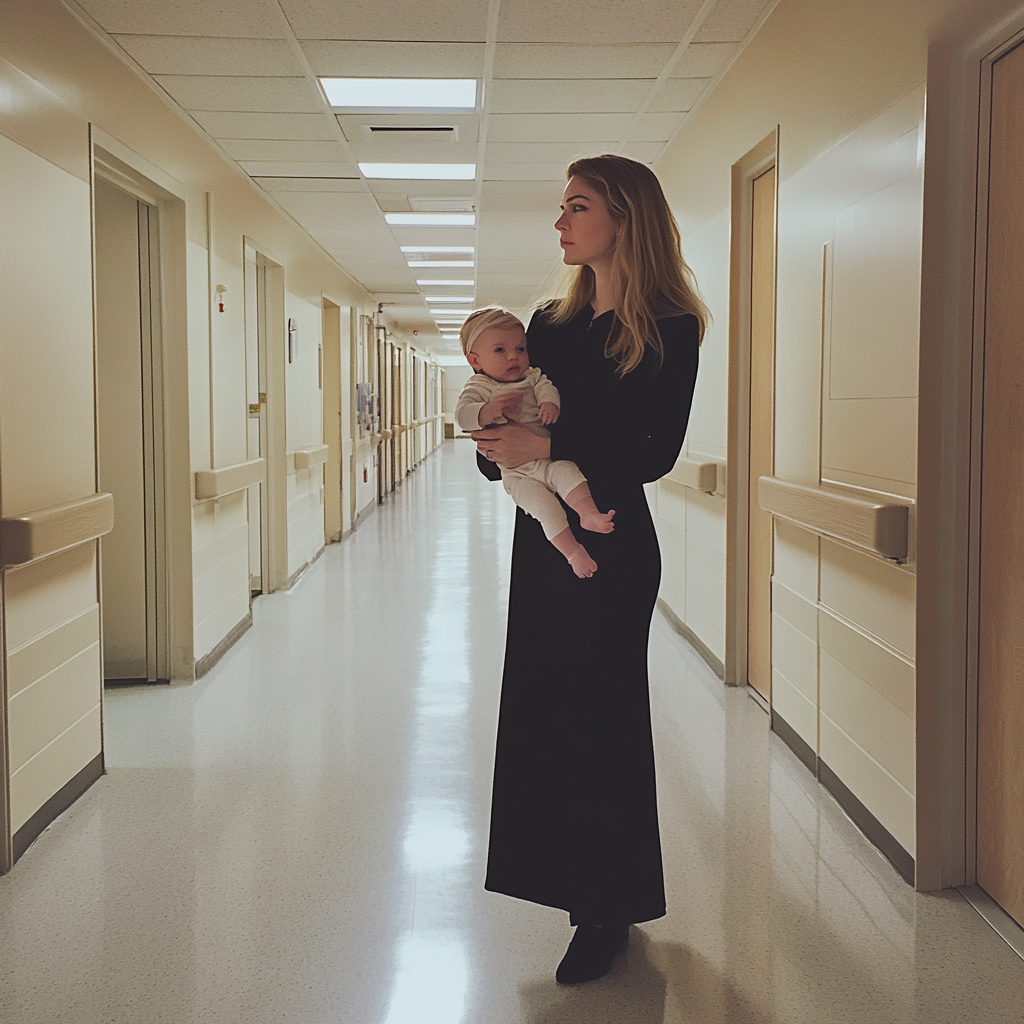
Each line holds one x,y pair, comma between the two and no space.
641,440
510,445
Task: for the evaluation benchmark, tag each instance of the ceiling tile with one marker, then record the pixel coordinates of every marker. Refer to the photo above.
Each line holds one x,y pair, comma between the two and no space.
703,60
405,150
678,94
287,184
498,171
455,20
601,21
522,195
331,210
589,128
222,124
301,169
212,92
434,236
555,96
440,189
656,127
556,60
365,58
645,152
188,18
534,152
199,55
730,20
285,149
355,128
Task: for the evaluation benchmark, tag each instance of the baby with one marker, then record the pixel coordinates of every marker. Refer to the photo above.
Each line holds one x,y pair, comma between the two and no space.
505,387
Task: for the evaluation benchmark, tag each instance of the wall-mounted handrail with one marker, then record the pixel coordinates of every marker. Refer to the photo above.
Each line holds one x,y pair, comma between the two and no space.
870,520
307,458
698,474
45,531
217,483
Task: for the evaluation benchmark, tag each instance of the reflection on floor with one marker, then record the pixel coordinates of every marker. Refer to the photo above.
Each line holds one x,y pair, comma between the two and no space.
299,837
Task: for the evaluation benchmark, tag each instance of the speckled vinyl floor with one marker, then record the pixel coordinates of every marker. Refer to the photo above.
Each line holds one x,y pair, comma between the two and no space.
300,836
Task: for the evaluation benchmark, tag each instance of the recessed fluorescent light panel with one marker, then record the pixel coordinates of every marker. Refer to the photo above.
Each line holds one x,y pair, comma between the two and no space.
440,263
401,93
442,281
421,172
433,220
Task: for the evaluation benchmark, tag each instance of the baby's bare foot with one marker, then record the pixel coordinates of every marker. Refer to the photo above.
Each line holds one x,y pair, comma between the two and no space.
598,522
582,564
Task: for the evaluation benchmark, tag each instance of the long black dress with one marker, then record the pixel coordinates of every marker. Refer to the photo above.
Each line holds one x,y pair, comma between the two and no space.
574,817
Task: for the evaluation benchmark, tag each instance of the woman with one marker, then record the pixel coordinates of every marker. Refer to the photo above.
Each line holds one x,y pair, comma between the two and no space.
574,818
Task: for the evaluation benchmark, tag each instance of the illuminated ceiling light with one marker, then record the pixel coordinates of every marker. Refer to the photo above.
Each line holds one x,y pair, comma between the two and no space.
434,220
401,93
437,248
442,281
448,298
422,172
440,263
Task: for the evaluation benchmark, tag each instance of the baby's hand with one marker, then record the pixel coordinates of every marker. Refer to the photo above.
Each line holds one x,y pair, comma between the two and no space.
548,412
500,408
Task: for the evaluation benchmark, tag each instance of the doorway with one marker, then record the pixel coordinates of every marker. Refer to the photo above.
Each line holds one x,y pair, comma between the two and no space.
749,529
1000,710
130,435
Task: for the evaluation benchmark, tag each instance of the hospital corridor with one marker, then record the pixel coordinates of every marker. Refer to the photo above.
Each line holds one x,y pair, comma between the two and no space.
296,296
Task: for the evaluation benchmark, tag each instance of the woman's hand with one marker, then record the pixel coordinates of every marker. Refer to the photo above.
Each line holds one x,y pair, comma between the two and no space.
511,445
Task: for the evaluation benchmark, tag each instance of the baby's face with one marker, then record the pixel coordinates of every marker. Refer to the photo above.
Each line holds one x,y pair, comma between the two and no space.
500,354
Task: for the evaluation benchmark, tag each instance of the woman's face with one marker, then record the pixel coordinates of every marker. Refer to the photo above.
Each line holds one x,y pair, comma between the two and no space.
587,226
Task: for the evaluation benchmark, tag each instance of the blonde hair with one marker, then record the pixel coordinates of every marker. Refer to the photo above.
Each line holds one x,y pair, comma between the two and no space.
650,278
484,319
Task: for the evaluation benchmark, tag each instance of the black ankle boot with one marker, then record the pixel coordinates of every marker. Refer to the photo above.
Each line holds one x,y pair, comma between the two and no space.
591,952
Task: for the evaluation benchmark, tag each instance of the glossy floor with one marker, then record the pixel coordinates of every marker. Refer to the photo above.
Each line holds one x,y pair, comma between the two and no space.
299,837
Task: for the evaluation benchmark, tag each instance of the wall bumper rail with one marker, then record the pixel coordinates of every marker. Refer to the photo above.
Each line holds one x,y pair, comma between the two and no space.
45,531
217,483
870,520
307,458
697,474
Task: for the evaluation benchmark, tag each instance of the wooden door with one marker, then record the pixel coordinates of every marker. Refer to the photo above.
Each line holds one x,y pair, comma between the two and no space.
760,530
1001,627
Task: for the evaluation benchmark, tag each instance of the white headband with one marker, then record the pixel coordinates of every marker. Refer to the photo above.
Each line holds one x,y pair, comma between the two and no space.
487,319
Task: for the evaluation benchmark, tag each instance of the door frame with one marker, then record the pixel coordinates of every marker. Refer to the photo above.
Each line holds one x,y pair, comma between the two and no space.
949,441
172,484
750,166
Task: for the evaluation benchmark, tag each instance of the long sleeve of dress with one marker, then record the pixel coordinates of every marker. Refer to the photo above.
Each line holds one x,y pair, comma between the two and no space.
641,439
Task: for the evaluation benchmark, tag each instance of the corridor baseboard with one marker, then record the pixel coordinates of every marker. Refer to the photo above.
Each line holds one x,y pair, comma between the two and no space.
877,834
691,638
207,661
56,805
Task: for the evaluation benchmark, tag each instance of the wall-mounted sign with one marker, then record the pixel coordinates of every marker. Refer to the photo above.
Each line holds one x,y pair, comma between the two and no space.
293,339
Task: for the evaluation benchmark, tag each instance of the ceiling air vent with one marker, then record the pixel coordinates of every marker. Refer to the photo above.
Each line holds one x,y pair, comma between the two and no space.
440,132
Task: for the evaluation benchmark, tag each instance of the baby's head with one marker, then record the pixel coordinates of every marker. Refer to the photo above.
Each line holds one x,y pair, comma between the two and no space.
494,342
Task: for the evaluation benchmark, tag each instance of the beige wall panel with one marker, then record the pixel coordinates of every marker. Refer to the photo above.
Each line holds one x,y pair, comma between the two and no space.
890,674
45,333
48,652
877,596
705,604
800,613
42,711
44,594
887,800
38,779
796,559
876,439
799,711
671,505
35,118
230,402
673,572
876,293
304,415
796,657
884,732
707,253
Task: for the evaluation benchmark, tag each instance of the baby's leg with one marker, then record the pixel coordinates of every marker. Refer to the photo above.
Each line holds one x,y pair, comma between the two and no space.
533,497
571,484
